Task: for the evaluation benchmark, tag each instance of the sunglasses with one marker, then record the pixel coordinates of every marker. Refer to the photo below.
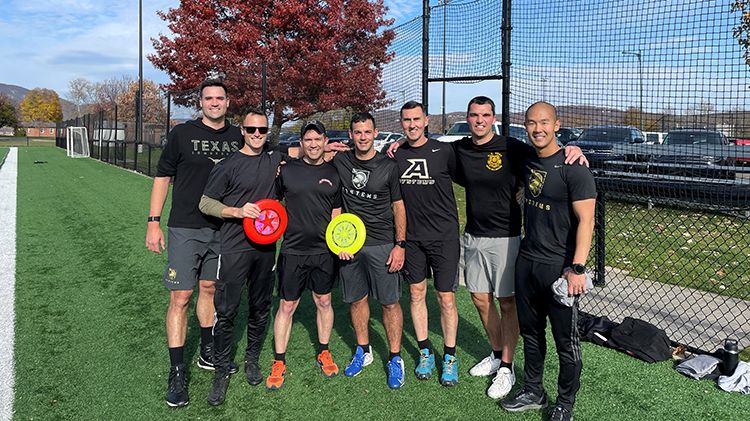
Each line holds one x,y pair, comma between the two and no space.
252,129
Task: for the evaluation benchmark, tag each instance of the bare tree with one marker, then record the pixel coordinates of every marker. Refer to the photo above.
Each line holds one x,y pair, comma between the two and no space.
81,92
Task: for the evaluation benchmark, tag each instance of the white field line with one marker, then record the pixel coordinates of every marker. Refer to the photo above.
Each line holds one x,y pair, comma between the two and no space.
8,177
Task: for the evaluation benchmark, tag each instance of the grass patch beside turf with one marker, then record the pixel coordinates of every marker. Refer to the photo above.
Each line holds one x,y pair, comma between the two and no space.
90,340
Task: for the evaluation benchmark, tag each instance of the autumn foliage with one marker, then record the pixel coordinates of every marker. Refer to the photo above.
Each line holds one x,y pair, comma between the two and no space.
41,105
319,55
154,109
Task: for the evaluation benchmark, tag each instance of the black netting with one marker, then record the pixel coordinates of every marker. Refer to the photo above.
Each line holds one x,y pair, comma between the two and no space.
654,92
660,90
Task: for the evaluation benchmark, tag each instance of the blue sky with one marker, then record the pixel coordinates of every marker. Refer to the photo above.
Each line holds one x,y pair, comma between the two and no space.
48,43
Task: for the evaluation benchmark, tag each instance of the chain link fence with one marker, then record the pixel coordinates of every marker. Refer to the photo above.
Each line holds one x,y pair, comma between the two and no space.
654,92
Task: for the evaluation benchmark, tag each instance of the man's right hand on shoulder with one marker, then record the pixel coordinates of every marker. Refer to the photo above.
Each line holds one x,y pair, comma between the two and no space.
155,238
393,147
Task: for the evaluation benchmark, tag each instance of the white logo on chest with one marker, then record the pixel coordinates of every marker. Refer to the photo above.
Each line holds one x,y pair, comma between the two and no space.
360,178
417,169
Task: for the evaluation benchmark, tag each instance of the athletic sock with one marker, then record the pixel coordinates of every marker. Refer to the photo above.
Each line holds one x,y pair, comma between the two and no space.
449,350
365,347
322,347
176,355
506,365
280,356
424,344
207,336
393,355
498,354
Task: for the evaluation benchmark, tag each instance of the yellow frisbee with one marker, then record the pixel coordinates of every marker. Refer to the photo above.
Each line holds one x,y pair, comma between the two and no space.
345,232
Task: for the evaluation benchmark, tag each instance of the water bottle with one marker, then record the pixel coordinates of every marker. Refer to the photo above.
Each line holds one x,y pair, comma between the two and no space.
730,357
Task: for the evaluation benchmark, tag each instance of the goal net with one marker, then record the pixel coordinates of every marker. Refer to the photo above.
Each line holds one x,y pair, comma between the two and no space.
77,142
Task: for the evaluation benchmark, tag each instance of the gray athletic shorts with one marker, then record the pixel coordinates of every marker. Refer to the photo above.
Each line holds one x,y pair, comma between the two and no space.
193,255
489,264
367,274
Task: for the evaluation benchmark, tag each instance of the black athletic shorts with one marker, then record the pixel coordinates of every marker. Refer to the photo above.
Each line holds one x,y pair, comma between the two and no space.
316,272
438,258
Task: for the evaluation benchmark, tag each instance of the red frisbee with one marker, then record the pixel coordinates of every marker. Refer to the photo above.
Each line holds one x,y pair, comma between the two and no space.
269,225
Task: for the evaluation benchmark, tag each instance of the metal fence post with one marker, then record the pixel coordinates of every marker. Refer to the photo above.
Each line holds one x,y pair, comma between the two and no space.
599,247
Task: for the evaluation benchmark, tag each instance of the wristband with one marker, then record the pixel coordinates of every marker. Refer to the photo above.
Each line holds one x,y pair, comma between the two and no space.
154,218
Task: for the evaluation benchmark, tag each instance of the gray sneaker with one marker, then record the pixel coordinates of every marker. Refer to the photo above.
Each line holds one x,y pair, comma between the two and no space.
524,400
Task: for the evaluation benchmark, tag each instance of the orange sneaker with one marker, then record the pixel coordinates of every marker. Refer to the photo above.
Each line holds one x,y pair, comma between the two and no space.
275,380
326,364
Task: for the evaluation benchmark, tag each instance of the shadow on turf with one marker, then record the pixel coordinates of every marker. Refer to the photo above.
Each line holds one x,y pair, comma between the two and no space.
470,340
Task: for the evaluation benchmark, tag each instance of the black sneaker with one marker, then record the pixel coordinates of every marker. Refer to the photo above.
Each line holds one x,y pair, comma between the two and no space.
524,400
252,371
218,389
560,413
177,394
206,360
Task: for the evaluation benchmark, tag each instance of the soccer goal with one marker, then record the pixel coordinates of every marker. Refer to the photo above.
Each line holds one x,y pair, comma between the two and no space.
77,142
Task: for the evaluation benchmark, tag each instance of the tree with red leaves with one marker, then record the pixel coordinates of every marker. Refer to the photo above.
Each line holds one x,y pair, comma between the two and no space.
319,55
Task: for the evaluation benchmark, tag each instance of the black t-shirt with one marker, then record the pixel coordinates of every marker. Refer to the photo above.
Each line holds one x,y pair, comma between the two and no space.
425,175
492,174
551,187
367,189
192,150
241,179
311,193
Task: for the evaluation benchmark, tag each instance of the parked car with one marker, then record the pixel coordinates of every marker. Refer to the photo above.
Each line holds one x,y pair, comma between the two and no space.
567,134
385,138
654,138
460,130
598,144
745,144
695,153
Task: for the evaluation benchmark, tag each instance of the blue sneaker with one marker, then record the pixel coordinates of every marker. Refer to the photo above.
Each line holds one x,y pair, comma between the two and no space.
426,364
396,373
360,359
450,371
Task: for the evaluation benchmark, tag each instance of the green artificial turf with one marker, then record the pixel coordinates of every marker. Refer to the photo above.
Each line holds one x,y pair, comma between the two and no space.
90,340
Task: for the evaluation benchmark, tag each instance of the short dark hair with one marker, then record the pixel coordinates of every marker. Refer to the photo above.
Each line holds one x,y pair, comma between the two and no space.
254,111
554,109
481,100
212,82
361,118
410,106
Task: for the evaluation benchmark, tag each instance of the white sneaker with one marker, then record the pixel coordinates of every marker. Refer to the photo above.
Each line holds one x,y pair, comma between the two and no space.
502,383
368,357
487,367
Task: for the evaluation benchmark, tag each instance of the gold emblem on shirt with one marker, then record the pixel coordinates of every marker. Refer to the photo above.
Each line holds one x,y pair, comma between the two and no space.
536,181
172,274
494,161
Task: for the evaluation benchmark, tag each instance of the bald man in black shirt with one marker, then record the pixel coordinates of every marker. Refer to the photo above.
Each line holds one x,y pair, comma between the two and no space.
559,220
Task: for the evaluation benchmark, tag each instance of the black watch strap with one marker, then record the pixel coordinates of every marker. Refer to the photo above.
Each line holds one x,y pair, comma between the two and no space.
578,268
154,218
401,244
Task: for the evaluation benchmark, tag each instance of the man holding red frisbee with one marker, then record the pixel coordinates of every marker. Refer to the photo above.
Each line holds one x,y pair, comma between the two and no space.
233,188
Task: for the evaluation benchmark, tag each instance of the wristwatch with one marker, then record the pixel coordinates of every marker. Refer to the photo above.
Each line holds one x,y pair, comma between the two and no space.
154,218
578,268
401,244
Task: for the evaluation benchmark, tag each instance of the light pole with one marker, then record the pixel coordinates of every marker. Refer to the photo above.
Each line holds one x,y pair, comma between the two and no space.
544,88
444,3
639,55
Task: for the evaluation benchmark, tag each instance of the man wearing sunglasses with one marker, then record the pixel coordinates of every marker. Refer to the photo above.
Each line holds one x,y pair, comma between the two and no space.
192,150
233,187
